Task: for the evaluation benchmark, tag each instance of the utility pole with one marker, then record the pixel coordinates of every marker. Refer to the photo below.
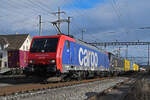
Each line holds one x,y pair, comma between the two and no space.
58,13
59,16
148,56
83,30
69,25
127,52
40,25
59,21
119,52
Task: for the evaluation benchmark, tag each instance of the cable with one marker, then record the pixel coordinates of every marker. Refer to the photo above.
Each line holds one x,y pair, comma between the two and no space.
32,7
43,5
38,5
24,5
15,10
118,14
131,22
76,27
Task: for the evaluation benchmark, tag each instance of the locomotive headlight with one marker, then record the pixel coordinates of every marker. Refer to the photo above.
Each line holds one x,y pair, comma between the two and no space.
52,61
31,61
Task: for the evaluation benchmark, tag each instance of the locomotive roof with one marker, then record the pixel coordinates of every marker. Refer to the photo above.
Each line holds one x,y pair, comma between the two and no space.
90,46
77,40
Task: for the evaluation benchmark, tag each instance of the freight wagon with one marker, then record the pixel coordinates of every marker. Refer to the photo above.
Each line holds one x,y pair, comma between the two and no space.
116,63
126,65
135,67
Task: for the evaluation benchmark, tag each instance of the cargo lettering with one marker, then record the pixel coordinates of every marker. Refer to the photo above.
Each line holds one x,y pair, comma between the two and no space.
88,58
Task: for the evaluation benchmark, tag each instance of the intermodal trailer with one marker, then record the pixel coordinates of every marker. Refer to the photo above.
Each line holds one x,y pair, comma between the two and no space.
126,65
135,67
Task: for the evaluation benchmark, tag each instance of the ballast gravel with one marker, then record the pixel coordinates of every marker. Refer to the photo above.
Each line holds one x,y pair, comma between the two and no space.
75,92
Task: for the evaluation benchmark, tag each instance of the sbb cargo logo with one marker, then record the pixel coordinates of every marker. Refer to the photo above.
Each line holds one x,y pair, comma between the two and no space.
88,58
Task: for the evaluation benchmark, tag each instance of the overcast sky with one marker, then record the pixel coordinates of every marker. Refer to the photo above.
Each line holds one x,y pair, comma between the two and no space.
103,20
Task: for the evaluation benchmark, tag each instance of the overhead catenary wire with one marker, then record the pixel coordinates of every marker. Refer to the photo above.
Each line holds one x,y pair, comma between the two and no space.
116,9
34,7
15,9
74,26
82,20
38,5
128,16
44,6
131,22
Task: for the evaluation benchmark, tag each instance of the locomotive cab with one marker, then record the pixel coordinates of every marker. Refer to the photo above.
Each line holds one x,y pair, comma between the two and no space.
45,55
42,56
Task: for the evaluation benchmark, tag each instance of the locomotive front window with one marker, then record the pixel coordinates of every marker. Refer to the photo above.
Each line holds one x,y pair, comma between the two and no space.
44,45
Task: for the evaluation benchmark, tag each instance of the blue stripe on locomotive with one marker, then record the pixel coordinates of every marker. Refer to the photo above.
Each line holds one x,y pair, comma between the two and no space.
79,55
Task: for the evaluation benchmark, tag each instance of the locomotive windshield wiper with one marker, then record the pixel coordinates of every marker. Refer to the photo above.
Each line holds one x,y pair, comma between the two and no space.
45,43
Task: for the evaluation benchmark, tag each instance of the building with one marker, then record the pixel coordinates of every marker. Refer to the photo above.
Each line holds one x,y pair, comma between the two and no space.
3,53
14,50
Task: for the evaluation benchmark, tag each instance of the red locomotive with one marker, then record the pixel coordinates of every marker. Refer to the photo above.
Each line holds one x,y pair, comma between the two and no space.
61,54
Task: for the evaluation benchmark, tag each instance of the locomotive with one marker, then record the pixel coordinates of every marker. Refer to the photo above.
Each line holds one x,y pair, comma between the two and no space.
62,55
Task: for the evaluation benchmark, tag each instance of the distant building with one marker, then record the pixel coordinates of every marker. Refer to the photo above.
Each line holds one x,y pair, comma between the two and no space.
14,50
3,52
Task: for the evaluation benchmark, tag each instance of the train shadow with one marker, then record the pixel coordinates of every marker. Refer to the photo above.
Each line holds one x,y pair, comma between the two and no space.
13,80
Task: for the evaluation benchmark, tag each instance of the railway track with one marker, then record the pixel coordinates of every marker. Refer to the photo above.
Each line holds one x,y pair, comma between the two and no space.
120,89
10,90
34,89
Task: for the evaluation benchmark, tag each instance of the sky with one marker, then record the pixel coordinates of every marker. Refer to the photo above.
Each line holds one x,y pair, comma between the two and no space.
102,20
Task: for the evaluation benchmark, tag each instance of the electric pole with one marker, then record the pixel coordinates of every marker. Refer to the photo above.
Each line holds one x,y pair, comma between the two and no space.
40,25
127,52
59,21
148,56
119,52
83,30
58,13
69,25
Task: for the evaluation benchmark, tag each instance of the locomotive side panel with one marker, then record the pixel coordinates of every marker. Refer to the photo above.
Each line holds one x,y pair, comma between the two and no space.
79,57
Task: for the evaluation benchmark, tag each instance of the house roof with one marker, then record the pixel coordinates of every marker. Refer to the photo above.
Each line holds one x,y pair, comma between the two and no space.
15,41
3,41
